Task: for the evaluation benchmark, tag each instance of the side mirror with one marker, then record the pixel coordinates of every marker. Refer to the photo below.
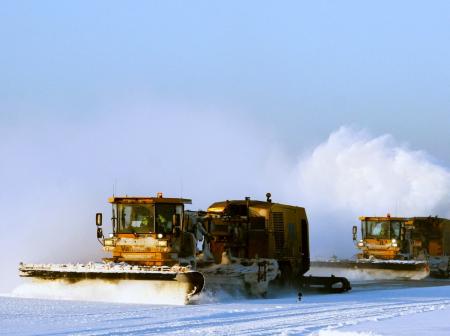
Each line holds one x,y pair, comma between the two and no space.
98,219
354,231
99,233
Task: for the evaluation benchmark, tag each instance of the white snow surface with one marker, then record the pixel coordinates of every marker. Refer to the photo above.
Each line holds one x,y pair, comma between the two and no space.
362,312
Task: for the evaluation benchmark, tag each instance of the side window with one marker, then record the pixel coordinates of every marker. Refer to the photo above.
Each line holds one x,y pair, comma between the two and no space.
164,217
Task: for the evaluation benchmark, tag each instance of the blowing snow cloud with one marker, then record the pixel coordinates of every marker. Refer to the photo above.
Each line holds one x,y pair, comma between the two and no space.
353,173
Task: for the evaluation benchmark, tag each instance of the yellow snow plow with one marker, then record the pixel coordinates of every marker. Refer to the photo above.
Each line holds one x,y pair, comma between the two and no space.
398,248
242,245
271,236
424,240
148,243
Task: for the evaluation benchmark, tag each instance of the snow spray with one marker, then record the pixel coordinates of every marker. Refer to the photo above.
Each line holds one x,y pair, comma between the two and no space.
123,291
355,174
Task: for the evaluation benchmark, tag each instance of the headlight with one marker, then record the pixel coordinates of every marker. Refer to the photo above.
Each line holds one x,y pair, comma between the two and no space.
394,241
360,243
160,235
109,242
162,243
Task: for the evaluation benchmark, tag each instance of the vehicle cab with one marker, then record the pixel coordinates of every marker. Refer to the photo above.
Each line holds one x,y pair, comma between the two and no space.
147,231
381,237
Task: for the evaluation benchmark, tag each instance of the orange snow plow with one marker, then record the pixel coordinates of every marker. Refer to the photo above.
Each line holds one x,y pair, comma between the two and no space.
276,235
397,248
148,244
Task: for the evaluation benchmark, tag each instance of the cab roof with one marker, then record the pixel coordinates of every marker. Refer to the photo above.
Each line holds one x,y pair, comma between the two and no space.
148,200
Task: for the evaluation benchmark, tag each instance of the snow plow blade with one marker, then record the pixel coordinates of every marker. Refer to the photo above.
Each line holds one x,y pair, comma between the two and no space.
373,269
191,282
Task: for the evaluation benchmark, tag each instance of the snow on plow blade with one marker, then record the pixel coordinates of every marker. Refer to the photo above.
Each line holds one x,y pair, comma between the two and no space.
151,284
372,269
248,277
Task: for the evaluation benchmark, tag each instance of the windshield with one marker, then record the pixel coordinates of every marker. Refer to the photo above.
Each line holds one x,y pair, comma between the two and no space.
382,229
164,216
136,218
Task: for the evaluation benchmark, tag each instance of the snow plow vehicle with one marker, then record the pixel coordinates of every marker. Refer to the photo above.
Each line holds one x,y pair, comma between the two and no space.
400,248
243,245
148,245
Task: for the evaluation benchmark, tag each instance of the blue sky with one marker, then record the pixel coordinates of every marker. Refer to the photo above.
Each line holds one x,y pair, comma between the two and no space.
197,98
301,68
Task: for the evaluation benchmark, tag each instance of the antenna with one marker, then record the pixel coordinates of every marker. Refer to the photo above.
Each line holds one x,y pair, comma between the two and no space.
114,187
181,187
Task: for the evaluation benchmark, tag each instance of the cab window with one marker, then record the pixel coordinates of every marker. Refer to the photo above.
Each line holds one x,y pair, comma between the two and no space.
136,218
164,216
395,230
378,230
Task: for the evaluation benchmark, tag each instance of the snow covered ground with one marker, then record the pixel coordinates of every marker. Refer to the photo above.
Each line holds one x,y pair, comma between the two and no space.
363,311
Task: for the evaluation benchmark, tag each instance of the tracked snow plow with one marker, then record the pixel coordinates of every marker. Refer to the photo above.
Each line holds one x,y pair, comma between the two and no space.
398,248
148,245
270,239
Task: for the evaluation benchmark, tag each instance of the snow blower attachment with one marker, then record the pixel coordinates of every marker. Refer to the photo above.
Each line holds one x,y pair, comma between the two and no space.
397,248
148,245
257,243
